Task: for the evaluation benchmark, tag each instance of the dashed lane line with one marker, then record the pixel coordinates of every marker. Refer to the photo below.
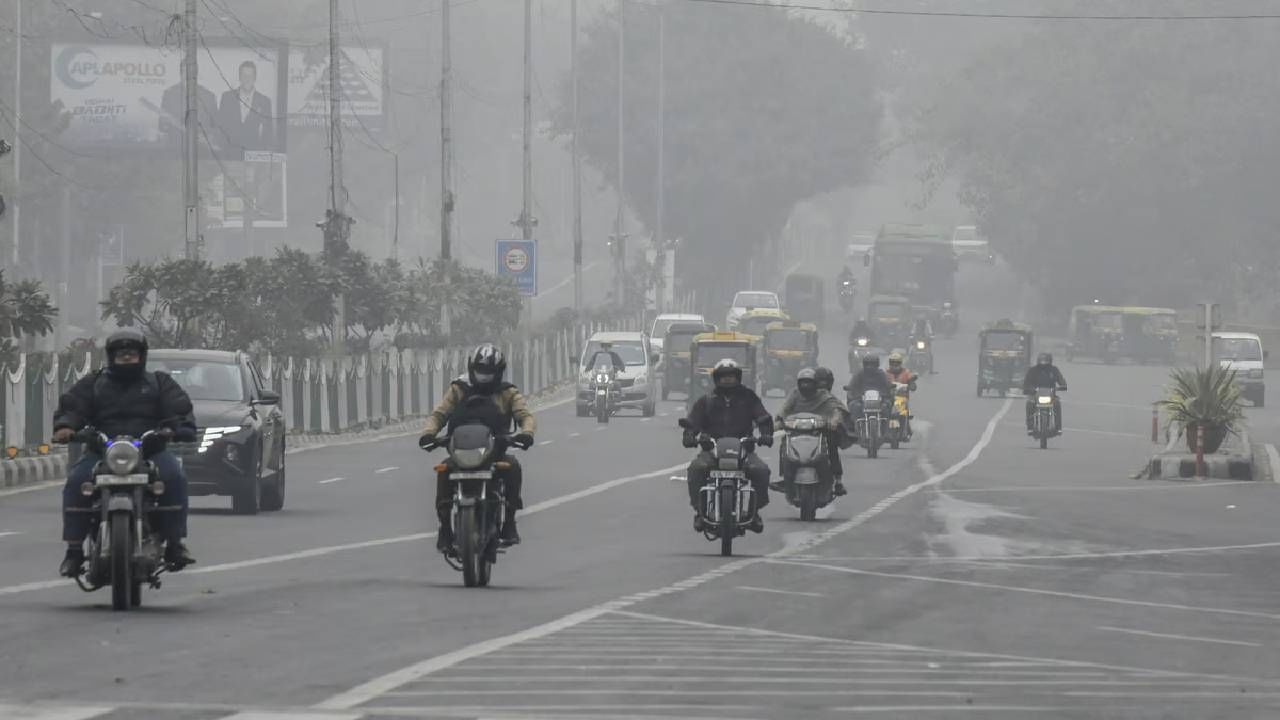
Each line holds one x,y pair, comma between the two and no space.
330,480
385,470
1063,556
1168,636
752,588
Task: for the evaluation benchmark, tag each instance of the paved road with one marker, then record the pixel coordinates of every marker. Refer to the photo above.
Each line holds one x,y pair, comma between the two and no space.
970,574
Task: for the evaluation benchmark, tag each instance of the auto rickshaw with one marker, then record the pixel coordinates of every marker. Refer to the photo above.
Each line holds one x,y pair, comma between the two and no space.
1004,354
890,320
1096,331
755,322
1150,334
788,347
675,355
804,297
710,348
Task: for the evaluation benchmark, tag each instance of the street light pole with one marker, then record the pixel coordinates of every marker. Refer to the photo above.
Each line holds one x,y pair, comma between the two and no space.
577,160
620,230
17,137
191,158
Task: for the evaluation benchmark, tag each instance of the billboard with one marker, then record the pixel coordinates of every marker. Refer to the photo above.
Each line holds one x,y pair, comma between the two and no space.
128,95
518,260
361,77
262,178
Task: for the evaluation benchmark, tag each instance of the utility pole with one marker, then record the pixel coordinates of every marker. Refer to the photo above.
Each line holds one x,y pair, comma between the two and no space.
527,222
660,237
337,234
620,230
446,157
576,159
17,136
191,159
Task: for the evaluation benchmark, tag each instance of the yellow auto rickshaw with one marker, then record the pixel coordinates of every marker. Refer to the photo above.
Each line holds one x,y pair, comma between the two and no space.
788,347
1096,332
755,322
710,348
1150,334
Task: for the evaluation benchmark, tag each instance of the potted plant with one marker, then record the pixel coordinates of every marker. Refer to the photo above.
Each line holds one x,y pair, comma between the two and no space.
1206,398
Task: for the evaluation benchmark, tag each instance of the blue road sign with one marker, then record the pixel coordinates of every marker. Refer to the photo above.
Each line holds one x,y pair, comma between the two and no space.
518,260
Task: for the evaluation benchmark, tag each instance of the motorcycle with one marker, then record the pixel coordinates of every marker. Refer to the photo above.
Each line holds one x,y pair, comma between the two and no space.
870,425
807,468
860,348
478,505
848,292
604,389
123,550
900,418
920,356
728,499
1044,424
948,320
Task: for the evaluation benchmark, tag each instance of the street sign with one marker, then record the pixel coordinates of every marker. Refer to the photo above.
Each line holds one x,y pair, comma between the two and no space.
518,260
111,246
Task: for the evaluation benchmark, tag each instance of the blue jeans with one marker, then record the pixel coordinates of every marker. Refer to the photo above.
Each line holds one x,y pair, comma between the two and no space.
168,525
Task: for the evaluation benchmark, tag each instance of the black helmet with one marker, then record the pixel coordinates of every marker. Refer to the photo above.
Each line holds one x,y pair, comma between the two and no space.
826,379
1044,359
807,382
870,361
724,369
485,367
126,339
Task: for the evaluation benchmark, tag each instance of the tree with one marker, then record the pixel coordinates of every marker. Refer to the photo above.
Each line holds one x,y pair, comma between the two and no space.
763,109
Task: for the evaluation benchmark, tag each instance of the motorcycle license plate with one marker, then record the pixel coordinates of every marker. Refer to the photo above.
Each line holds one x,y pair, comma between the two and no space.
118,480
480,475
725,473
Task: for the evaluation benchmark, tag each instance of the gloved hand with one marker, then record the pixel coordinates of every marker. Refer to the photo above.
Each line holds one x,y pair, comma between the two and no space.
765,441
166,432
427,440
522,440
63,435
707,443
689,440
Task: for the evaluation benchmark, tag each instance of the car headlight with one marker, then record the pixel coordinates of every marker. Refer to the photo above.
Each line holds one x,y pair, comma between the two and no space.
212,434
641,380
122,457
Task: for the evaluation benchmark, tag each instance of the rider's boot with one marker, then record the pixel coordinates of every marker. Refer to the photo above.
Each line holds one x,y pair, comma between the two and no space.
510,535
838,488
176,555
73,561
444,536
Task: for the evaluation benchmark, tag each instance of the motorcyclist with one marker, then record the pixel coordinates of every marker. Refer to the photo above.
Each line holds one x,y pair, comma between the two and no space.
810,397
870,378
125,399
922,329
483,398
606,352
730,410
1043,374
902,375
861,329
846,278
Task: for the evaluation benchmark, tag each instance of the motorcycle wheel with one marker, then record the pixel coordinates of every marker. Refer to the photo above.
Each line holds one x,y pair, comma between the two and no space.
808,502
602,411
469,551
895,440
873,441
121,561
484,566
728,520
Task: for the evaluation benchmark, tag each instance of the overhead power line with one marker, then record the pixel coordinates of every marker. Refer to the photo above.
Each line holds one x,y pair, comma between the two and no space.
983,15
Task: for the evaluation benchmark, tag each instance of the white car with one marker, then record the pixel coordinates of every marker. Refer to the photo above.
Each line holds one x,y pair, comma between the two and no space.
1242,352
662,322
637,381
747,300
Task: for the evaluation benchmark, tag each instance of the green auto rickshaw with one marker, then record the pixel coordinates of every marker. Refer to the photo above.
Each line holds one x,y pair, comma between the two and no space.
1004,354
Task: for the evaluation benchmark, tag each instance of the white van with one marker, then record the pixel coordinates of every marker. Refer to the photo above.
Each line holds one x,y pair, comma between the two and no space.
1242,352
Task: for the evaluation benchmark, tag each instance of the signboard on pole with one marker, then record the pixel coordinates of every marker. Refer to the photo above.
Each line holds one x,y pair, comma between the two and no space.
363,83
518,260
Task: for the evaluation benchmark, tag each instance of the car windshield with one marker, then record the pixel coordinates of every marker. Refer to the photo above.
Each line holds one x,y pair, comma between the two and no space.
1003,341
709,355
1237,349
789,340
631,351
203,379
755,300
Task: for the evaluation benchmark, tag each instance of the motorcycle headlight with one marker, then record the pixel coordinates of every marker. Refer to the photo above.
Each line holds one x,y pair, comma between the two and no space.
602,379
1045,400
469,459
122,457
862,342
920,345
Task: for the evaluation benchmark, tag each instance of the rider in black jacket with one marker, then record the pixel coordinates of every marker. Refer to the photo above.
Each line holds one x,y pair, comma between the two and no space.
1044,374
125,399
731,410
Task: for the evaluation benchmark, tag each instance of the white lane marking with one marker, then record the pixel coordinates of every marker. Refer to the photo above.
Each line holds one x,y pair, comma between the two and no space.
546,442
291,715
1067,556
32,488
1191,638
38,712
385,470
732,680
948,709
391,681
1175,485
1030,591
8,533
575,434
331,480
332,549
779,592
1274,458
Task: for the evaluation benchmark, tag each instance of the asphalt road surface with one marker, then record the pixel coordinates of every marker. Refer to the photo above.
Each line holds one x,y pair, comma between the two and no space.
969,574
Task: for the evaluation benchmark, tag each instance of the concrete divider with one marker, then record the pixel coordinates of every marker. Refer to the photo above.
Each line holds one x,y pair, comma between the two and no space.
1233,461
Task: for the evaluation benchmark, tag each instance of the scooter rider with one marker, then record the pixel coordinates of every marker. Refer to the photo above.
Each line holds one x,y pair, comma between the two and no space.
810,397
730,410
483,398
1043,374
902,375
125,399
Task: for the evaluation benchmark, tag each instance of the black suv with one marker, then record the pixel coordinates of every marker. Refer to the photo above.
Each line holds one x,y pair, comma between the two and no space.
240,450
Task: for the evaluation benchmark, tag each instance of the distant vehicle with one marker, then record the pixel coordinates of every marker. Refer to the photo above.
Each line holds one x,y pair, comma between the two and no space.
658,334
1242,352
917,262
636,383
969,247
748,300
240,451
859,247
805,297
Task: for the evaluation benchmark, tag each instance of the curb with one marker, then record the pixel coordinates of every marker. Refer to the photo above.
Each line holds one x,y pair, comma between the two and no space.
30,471
1232,463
